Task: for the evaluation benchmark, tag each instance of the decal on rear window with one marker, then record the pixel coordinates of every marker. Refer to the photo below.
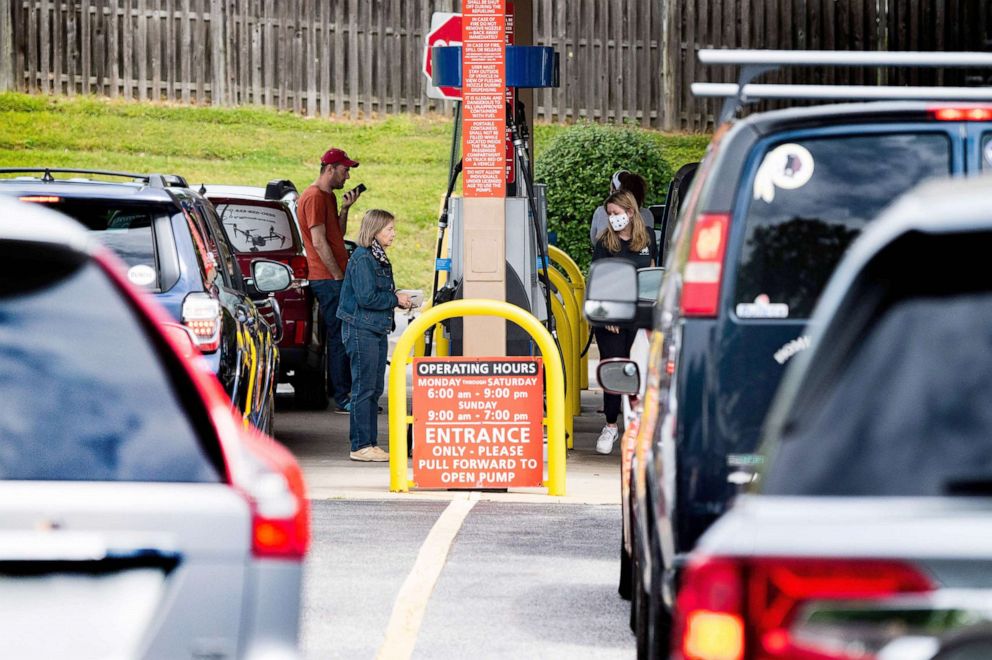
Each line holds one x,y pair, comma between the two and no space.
762,308
252,228
788,166
141,275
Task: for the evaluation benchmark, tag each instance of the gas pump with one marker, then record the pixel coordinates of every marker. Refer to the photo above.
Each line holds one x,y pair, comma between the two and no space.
525,205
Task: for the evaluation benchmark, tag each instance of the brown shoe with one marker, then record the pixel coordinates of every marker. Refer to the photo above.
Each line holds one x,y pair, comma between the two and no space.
370,454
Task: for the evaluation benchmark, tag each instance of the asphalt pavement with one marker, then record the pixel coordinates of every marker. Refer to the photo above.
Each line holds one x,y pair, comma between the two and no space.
521,574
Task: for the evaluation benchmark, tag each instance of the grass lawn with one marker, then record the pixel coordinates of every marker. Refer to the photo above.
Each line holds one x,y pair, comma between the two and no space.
404,158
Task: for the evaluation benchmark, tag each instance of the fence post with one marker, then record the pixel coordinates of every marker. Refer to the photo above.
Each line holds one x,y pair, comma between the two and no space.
6,46
218,54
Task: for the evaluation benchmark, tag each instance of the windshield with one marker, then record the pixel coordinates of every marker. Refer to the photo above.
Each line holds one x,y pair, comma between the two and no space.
907,414
85,396
127,230
809,199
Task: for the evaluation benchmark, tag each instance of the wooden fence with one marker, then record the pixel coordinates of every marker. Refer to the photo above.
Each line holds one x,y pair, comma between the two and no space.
621,60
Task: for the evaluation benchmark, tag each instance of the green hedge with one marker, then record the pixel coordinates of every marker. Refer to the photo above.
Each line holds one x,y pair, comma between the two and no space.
577,166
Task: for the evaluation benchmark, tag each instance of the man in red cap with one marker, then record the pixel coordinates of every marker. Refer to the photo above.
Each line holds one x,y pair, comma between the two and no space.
323,226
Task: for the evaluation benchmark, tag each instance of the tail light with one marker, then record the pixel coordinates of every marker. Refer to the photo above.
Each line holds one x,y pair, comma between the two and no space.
730,609
704,270
961,114
301,270
41,199
202,315
272,481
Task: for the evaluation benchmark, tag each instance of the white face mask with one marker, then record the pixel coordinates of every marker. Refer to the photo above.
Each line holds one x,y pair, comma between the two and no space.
619,221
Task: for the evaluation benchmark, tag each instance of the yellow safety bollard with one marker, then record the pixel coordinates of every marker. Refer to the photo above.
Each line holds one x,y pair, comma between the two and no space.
554,383
568,355
561,259
575,324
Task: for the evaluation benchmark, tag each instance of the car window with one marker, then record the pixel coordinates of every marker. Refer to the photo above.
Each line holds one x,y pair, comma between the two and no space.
986,151
908,412
256,227
228,263
81,403
209,242
810,198
205,259
125,229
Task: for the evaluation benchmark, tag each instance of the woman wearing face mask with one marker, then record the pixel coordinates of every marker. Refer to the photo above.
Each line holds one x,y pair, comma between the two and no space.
368,296
625,237
635,185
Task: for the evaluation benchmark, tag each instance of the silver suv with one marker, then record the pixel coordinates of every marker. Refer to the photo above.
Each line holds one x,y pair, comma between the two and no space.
139,517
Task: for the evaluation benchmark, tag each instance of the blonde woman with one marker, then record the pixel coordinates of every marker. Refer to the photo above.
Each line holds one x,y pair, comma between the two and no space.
624,237
368,297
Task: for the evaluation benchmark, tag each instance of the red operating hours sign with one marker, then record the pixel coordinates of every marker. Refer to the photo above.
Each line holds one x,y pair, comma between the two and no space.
477,422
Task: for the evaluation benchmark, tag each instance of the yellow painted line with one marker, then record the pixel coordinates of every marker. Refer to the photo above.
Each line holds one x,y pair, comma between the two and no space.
411,603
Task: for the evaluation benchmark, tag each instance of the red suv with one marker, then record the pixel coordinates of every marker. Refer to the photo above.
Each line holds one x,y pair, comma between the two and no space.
262,222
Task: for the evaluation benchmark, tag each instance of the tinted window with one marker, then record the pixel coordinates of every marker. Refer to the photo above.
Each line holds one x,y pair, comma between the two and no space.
812,197
907,414
125,229
220,245
85,397
256,228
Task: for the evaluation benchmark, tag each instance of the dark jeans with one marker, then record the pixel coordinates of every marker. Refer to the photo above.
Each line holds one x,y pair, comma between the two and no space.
367,351
328,294
613,345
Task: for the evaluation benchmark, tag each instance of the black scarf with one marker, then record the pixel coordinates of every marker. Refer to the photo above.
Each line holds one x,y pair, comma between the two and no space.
380,254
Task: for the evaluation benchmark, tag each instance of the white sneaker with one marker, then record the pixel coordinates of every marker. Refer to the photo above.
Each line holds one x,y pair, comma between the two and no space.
604,444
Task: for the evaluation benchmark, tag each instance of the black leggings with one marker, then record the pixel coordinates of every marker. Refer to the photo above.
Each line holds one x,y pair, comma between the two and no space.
613,345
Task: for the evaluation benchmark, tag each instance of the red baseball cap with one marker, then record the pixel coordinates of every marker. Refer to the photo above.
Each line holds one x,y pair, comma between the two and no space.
337,157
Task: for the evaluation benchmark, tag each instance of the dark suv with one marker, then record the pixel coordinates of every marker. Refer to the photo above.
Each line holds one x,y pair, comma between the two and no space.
171,241
870,532
774,204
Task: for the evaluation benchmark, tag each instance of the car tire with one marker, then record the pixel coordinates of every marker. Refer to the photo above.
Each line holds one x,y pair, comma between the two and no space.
312,386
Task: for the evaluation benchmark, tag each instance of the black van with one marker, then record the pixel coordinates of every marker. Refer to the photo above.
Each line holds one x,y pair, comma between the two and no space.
774,205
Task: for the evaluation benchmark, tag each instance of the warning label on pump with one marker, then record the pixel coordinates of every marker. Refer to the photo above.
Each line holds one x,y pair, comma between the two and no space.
477,422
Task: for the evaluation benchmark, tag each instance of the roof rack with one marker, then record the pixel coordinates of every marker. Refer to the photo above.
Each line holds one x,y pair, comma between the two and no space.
754,63
151,180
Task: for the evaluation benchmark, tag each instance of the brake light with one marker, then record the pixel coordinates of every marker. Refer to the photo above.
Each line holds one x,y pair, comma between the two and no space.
961,114
736,608
202,315
298,263
704,271
41,199
272,481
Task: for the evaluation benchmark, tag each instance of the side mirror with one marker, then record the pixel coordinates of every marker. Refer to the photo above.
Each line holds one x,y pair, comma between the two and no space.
182,338
648,285
619,376
270,276
611,292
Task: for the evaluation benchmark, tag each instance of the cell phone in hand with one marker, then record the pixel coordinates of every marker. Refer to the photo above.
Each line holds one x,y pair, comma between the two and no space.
360,188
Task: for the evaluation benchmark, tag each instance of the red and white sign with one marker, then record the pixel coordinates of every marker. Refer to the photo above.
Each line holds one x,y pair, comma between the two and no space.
477,422
446,30
484,98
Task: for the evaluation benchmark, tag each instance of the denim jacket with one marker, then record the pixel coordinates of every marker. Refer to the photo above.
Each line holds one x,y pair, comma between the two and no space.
367,294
